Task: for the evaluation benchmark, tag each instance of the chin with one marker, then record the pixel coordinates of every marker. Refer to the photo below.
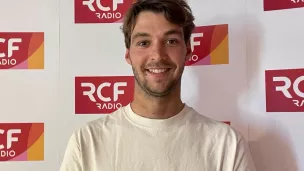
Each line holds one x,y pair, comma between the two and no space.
159,92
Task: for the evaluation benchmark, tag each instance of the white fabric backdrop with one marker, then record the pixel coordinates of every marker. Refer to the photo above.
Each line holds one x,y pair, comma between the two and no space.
234,92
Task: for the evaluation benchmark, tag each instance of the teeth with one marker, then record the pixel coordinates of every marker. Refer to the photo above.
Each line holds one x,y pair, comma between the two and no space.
157,71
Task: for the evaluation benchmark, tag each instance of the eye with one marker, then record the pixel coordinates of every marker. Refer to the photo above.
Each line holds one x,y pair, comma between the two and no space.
143,43
172,41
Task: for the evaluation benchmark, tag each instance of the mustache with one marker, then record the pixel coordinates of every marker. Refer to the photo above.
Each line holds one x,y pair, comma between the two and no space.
159,65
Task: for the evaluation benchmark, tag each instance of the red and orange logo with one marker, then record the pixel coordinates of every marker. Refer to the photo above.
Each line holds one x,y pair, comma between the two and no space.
101,11
270,5
22,50
285,90
21,141
209,45
102,95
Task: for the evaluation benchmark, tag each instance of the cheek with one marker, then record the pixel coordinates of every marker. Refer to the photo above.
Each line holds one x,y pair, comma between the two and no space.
137,59
178,54
179,59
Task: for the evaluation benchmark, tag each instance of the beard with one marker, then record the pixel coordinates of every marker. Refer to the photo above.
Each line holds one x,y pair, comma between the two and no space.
168,87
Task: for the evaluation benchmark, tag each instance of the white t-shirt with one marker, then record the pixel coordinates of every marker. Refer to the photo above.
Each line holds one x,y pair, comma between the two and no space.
125,141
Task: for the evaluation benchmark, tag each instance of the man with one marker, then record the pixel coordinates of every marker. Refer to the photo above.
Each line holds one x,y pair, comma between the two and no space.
157,131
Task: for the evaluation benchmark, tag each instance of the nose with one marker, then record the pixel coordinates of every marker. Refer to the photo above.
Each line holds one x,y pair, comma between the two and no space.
158,51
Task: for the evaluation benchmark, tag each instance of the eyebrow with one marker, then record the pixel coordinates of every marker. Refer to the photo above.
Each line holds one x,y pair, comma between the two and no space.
174,31
170,32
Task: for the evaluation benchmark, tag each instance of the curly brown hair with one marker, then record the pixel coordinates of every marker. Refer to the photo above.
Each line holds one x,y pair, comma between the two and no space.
175,11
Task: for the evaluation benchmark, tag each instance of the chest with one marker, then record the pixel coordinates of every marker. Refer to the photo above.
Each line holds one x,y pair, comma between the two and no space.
179,151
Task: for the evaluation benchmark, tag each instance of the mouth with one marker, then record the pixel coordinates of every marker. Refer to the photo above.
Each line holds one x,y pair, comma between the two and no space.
158,73
158,70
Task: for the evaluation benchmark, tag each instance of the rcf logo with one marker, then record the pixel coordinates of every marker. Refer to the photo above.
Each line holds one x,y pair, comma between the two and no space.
101,11
22,50
270,5
21,141
209,45
285,90
102,95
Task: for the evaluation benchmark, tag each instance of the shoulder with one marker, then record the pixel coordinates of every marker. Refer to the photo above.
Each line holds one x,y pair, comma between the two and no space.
220,138
101,126
214,129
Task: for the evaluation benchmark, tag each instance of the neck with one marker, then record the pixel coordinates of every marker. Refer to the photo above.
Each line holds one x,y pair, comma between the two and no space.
157,107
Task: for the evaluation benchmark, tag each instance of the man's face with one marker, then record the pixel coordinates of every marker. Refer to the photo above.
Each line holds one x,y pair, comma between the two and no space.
157,53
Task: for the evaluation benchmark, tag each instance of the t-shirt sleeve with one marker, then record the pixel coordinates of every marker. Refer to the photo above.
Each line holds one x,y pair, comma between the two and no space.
243,159
72,157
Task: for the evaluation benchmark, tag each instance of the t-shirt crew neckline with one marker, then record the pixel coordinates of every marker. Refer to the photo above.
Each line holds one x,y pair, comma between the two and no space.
143,122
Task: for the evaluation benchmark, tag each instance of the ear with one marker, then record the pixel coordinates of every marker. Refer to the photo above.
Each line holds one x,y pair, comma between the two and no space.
189,51
127,56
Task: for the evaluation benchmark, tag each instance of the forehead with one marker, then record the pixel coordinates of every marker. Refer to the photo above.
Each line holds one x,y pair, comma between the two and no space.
153,23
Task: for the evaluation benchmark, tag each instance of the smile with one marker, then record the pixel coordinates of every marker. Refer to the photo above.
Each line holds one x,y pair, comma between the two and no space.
157,71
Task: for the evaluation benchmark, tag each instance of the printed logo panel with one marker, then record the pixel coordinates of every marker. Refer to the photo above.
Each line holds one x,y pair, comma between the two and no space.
270,5
22,50
21,141
285,90
209,45
101,11
102,95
